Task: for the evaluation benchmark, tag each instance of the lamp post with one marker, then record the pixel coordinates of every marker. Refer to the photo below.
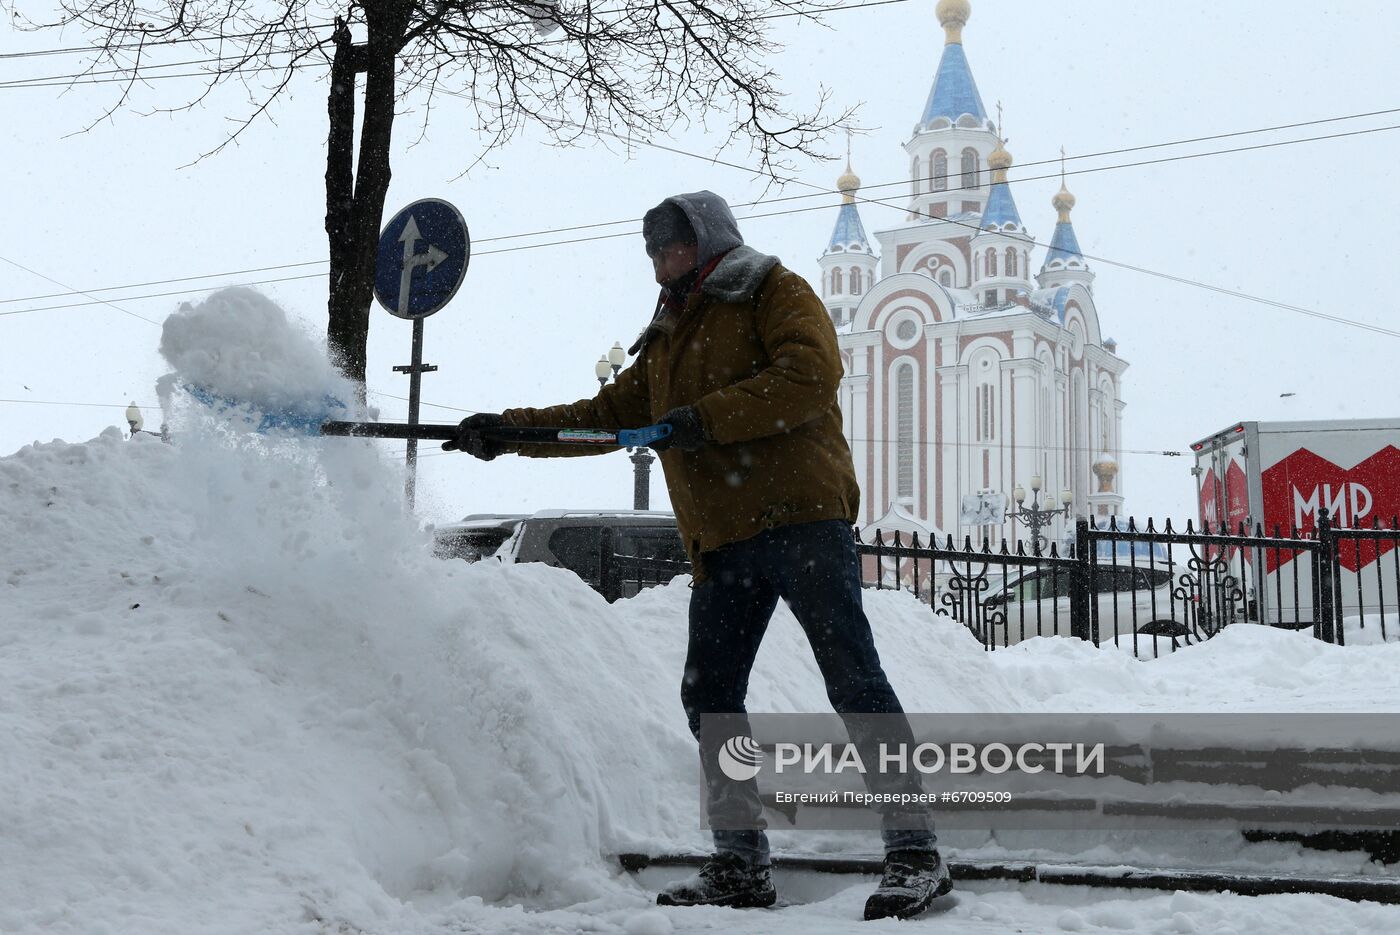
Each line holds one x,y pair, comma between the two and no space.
609,365
136,421
1038,516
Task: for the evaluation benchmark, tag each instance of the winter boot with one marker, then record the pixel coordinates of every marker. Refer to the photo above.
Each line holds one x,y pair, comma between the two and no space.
912,880
724,880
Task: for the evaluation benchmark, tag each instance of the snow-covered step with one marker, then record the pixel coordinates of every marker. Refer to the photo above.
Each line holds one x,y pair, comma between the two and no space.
1353,887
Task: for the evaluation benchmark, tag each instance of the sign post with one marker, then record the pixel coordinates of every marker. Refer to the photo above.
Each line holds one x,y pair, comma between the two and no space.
422,259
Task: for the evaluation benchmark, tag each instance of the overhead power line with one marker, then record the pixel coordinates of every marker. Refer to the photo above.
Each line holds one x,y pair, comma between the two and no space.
163,282
137,72
761,201
80,77
152,43
1184,280
75,80
95,300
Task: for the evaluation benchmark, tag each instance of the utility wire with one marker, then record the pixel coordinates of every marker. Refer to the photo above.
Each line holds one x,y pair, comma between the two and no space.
1121,265
81,77
763,201
630,233
877,201
151,43
135,72
74,80
54,402
95,300
153,295
823,191
164,282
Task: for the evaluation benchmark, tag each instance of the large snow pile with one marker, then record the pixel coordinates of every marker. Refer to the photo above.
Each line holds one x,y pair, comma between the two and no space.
241,696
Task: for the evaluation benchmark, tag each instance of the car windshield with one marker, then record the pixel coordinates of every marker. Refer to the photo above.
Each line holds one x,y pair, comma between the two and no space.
1039,585
469,544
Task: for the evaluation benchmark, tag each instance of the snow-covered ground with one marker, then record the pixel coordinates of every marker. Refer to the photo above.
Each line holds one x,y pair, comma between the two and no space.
241,696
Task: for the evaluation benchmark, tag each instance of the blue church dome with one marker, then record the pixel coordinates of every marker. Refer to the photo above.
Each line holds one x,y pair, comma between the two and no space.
954,93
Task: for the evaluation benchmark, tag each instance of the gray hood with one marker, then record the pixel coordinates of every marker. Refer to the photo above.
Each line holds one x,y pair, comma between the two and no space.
716,231
741,272
736,277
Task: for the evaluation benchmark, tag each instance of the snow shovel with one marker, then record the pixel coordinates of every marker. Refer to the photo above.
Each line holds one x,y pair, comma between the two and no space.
514,434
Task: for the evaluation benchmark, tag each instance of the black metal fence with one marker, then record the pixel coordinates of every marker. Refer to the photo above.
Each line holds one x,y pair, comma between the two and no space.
1151,590
1144,589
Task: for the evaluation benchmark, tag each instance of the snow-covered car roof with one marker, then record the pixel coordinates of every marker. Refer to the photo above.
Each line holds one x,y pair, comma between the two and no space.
563,513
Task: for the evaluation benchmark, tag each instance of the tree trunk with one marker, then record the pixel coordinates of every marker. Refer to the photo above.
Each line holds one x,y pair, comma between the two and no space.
340,199
352,224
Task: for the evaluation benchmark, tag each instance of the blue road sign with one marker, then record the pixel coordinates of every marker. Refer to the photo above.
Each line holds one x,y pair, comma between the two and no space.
423,254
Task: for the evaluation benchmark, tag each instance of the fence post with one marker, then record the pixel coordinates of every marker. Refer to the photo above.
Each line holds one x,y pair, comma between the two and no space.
1326,610
608,572
1079,597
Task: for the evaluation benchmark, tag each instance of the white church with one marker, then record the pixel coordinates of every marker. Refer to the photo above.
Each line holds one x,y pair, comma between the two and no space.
965,371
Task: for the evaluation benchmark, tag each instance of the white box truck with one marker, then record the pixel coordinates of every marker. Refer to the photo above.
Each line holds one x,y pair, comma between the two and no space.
1280,475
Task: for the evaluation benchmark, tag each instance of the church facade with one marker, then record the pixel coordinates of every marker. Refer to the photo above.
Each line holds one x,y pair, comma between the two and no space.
966,372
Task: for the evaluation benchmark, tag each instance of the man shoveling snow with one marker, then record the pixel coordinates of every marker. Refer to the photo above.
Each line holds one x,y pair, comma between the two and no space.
741,361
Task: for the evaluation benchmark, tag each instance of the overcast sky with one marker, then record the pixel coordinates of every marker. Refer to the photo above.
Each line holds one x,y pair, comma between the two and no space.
1310,224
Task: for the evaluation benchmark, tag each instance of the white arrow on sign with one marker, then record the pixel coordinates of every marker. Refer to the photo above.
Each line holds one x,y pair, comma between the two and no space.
412,260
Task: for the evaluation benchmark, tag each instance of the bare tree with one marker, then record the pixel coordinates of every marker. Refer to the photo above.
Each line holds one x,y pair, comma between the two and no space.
574,67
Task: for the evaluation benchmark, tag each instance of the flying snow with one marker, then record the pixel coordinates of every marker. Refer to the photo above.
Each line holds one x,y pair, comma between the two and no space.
237,350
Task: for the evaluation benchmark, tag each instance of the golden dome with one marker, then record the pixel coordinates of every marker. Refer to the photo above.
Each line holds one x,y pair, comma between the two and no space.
1105,469
848,184
999,160
953,16
1063,202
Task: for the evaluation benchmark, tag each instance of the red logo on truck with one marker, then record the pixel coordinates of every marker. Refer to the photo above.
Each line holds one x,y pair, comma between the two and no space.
1299,487
1230,498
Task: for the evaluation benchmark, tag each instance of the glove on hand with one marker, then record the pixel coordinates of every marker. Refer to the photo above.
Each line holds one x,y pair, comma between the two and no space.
471,440
687,431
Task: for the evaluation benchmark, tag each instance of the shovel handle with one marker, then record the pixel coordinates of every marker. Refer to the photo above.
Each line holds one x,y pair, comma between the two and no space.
519,434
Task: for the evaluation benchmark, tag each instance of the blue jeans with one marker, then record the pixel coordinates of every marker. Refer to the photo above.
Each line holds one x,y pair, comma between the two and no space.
815,568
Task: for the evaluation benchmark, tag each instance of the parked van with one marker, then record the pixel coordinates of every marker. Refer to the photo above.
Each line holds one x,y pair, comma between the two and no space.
576,540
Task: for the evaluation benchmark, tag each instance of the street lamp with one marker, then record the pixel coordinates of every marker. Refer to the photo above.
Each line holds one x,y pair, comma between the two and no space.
1037,516
610,364
136,421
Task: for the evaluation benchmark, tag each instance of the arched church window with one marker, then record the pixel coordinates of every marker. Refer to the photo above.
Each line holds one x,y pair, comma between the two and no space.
855,280
835,281
904,432
1011,261
946,277
970,169
991,262
940,171
986,412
